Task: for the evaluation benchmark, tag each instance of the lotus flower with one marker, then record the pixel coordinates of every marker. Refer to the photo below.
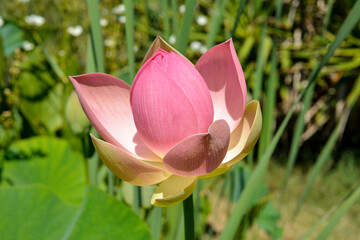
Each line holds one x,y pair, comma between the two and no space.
177,123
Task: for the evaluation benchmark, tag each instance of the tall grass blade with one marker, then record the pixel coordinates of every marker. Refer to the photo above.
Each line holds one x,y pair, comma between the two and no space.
259,70
345,29
96,35
183,37
258,77
325,217
93,162
154,222
90,58
174,218
295,142
175,17
129,31
111,183
95,63
238,15
268,119
328,14
320,162
339,213
165,13
216,21
279,8
136,198
250,189
2,65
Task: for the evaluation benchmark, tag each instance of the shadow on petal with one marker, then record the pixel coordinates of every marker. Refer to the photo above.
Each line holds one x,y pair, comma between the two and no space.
201,153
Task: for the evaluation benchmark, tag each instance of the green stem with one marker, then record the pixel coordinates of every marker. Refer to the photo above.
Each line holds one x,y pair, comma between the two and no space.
188,207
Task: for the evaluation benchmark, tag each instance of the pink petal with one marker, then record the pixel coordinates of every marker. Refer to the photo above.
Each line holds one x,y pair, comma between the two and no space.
170,101
127,166
106,102
221,69
201,153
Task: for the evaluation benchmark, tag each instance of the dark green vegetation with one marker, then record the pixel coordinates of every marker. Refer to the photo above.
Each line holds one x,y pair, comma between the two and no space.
301,60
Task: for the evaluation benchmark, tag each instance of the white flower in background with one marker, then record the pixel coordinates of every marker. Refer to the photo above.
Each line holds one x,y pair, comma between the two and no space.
23,1
75,30
120,9
135,48
35,20
61,53
104,22
195,45
172,39
201,20
182,9
203,49
109,42
1,21
28,46
122,19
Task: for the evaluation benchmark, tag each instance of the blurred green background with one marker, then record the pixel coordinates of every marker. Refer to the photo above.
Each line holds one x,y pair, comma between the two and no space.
48,163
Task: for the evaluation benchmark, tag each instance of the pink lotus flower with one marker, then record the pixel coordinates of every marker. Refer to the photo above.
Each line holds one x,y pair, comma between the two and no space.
177,123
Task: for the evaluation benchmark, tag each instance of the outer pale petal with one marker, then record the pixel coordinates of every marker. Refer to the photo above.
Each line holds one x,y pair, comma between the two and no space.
170,101
159,43
221,69
127,166
199,154
173,190
106,102
217,172
245,136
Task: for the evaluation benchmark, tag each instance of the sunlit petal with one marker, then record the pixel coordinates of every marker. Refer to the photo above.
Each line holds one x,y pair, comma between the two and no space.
106,102
221,69
245,136
170,101
127,166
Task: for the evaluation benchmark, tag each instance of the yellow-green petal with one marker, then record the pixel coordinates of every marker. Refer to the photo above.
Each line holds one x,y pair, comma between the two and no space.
245,136
127,166
173,190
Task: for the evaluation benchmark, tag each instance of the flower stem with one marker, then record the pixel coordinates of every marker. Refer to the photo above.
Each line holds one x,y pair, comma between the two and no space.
188,207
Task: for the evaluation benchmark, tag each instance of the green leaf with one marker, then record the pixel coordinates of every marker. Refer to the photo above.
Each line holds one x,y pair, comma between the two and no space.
33,213
104,217
44,114
48,161
12,38
267,220
75,115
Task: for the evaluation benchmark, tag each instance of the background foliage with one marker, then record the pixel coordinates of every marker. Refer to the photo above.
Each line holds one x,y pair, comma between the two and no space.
302,178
